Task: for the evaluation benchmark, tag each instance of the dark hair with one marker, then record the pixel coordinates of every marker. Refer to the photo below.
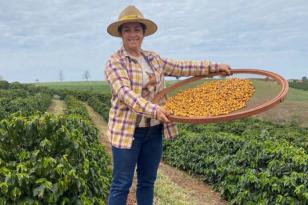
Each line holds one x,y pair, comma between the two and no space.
142,25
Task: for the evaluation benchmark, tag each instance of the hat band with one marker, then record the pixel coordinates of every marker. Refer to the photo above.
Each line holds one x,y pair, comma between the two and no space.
129,17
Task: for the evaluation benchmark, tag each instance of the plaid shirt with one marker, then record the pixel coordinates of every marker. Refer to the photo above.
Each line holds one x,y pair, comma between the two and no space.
124,75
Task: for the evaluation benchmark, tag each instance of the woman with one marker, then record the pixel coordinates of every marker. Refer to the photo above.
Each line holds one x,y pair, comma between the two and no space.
136,125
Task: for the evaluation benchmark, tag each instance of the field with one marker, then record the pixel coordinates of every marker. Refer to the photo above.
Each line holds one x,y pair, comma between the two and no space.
95,86
63,155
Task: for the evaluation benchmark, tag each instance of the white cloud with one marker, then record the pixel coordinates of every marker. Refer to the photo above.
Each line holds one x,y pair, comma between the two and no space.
71,35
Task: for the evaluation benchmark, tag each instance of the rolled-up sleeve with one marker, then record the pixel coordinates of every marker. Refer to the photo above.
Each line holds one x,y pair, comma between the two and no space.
118,79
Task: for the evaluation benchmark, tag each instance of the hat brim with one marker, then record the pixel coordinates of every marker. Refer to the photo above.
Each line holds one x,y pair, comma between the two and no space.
151,27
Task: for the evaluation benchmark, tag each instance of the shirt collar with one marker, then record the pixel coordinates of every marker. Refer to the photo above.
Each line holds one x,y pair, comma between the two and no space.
124,54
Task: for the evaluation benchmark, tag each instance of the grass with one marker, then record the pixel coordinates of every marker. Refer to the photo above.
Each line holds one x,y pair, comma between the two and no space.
297,95
268,88
167,192
95,86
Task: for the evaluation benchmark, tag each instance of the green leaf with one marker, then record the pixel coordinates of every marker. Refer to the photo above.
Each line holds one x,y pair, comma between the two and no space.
4,188
299,190
85,166
15,193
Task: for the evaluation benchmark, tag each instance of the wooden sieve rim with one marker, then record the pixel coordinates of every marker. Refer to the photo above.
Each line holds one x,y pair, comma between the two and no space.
231,116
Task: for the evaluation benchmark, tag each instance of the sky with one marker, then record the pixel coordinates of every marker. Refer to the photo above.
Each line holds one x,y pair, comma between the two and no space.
39,39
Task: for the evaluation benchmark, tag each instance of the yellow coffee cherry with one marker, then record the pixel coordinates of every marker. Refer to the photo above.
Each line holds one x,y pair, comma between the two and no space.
219,97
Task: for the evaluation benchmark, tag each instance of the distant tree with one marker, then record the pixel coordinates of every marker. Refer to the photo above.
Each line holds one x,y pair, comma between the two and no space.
37,80
16,85
300,84
61,75
4,84
1,78
86,75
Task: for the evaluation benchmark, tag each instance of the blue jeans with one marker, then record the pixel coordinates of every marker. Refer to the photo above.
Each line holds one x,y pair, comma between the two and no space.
146,153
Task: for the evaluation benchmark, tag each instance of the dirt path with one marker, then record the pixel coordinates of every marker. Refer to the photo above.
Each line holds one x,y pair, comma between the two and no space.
193,189
57,107
198,191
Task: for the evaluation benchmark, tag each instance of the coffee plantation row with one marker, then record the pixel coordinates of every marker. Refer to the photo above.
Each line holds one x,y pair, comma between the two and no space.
99,102
26,99
249,161
245,169
23,99
47,159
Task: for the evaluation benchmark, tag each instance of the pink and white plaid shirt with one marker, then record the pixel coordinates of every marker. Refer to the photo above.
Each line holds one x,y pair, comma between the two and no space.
124,75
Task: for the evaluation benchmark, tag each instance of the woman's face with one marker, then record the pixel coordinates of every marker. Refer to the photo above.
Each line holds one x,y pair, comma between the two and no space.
132,35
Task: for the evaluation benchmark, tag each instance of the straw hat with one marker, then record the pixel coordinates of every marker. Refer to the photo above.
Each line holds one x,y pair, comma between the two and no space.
131,14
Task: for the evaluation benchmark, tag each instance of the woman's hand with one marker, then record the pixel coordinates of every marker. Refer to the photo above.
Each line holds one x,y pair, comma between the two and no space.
224,68
163,114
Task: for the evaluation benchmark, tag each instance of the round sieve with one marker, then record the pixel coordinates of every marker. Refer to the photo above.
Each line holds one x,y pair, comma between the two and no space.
267,79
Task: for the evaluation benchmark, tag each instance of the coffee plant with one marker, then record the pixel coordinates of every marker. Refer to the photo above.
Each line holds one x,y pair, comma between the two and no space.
245,170
47,159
